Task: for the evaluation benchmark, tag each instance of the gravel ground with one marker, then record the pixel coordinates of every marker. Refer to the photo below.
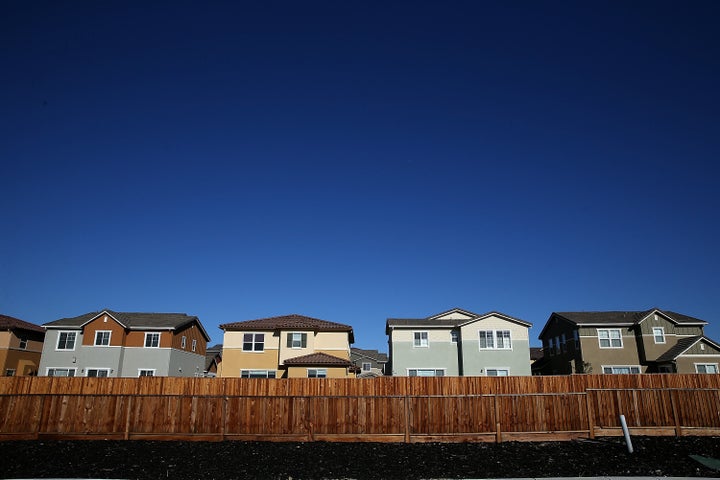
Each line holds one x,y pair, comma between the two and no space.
653,456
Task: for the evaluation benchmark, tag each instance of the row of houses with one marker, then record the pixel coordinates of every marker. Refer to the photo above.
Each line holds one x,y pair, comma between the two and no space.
456,342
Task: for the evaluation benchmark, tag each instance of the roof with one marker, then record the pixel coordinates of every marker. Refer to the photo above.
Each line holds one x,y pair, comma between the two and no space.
536,353
290,322
372,354
431,321
675,351
11,323
317,359
621,318
133,321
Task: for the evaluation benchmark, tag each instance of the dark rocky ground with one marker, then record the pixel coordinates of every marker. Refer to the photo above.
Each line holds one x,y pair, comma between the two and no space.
653,456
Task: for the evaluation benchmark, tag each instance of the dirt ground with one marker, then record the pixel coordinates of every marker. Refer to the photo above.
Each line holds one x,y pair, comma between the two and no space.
653,456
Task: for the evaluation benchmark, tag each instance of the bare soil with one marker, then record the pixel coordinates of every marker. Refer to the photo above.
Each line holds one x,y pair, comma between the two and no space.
653,456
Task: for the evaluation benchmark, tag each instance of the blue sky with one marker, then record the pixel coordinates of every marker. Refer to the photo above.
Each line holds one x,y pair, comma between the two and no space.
357,161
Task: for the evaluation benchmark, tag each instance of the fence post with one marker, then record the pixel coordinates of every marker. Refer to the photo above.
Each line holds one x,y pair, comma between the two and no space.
127,420
407,418
676,415
40,417
498,433
590,415
223,428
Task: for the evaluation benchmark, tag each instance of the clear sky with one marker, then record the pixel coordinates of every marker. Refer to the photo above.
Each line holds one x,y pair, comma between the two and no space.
355,161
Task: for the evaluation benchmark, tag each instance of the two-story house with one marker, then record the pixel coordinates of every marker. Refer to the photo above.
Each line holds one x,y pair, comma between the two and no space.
21,345
368,363
649,341
117,344
287,346
459,343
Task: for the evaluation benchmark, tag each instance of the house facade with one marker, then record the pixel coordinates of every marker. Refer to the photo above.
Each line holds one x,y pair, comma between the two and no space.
459,343
288,346
117,344
649,341
21,346
368,363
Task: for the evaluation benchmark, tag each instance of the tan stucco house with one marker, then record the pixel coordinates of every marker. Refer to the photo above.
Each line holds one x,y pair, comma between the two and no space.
649,341
21,345
287,346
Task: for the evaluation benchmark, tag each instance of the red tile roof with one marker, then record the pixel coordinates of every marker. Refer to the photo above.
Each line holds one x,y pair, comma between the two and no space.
287,322
12,323
318,359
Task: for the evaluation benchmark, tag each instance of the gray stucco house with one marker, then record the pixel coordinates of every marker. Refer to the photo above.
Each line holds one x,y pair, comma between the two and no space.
459,343
116,344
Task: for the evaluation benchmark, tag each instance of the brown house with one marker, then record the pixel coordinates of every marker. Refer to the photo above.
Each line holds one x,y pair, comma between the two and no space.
21,346
650,341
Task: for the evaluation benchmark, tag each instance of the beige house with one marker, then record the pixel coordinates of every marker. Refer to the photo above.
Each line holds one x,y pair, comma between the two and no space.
21,345
650,341
288,346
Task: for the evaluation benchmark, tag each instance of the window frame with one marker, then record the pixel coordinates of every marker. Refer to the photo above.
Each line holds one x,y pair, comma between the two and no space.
97,372
291,340
53,369
253,342
497,369
609,338
435,371
183,342
22,345
258,373
705,365
629,367
497,337
10,372
366,366
152,334
193,345
109,338
421,339
66,333
655,335
454,336
151,372
318,373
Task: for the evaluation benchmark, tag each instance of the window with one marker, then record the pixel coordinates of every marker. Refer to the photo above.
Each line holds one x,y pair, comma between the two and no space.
576,337
102,338
66,341
366,366
706,367
10,372
23,343
420,339
146,372
152,340
98,372
257,373
610,338
183,342
194,345
563,345
497,372
317,373
621,369
253,342
297,340
61,372
426,372
551,349
454,336
495,339
659,334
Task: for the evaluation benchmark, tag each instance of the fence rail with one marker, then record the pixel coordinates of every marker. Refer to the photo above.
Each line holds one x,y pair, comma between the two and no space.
385,409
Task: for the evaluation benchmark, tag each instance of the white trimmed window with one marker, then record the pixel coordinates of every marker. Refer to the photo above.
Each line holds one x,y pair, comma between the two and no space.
23,343
61,372
317,373
297,340
146,372
193,346
183,342
152,340
659,334
495,340
426,372
454,335
621,369
366,366
610,338
706,367
420,339
253,342
563,345
98,372
66,340
497,372
257,373
102,338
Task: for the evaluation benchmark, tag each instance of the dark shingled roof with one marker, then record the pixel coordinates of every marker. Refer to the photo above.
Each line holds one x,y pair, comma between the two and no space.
318,359
287,322
11,323
682,345
134,320
373,354
620,317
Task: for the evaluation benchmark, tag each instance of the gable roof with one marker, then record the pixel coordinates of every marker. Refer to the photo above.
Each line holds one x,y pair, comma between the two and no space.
683,345
133,321
289,322
11,323
433,322
371,354
467,313
317,359
620,318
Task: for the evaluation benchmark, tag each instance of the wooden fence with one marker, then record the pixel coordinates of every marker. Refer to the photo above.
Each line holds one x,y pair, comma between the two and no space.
392,409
